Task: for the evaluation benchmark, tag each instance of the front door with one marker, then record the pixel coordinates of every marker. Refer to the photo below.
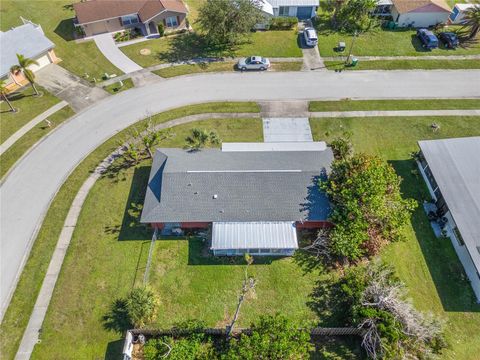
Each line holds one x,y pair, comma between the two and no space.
304,12
152,27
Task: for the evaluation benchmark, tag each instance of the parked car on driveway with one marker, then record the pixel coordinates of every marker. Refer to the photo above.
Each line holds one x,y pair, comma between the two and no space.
253,63
449,39
310,35
427,38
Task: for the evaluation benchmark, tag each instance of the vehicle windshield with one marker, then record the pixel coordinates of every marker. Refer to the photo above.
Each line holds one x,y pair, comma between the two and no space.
311,35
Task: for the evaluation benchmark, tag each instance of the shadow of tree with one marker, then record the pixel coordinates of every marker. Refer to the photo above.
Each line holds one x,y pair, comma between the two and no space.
190,46
117,319
114,350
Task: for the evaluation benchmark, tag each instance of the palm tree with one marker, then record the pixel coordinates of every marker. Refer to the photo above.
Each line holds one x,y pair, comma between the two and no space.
199,138
3,93
472,20
23,64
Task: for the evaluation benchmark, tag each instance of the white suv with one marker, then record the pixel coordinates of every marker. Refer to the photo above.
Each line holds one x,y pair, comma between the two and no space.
310,36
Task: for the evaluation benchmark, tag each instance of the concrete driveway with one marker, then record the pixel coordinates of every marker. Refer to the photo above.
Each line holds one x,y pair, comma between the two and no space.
286,130
69,87
109,49
27,191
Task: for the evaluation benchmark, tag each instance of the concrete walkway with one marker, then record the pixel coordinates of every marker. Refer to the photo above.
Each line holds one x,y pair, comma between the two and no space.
110,50
30,125
422,57
69,87
27,191
341,114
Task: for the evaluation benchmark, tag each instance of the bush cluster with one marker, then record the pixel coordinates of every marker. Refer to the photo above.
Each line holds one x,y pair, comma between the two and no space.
283,23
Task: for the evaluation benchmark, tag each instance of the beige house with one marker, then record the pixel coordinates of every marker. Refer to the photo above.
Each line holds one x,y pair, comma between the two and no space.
104,16
27,40
420,13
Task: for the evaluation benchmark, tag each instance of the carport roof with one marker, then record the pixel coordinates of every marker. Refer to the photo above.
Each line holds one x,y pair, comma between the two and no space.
277,3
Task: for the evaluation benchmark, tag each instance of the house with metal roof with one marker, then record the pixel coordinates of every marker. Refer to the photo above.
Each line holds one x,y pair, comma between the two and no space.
302,9
104,16
253,201
30,41
451,169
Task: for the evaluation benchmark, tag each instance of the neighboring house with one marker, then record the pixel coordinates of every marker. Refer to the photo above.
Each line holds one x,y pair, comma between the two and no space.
30,41
458,13
451,169
253,201
419,13
104,16
302,9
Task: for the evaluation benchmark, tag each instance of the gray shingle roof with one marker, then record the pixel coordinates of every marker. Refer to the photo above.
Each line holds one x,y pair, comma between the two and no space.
250,186
455,164
27,40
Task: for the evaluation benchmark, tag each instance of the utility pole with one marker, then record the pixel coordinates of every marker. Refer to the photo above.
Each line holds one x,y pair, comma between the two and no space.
351,48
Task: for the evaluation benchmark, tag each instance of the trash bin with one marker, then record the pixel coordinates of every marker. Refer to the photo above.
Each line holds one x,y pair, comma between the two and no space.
354,62
341,46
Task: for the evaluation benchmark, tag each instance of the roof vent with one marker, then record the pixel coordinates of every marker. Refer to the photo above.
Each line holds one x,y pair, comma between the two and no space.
196,192
215,196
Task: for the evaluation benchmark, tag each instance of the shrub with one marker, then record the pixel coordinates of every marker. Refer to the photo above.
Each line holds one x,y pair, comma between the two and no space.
141,306
283,23
161,29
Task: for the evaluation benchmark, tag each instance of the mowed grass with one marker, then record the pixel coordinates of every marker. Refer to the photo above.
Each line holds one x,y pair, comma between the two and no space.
107,257
118,87
379,42
15,152
435,64
368,105
56,19
188,46
429,266
226,66
21,305
29,106
193,285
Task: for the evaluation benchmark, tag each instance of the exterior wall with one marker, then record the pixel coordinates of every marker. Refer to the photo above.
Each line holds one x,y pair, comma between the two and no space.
313,225
161,18
421,19
42,60
194,225
260,252
292,11
53,57
101,27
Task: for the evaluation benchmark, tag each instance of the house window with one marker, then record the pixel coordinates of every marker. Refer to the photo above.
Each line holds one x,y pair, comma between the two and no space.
459,237
171,21
129,19
283,11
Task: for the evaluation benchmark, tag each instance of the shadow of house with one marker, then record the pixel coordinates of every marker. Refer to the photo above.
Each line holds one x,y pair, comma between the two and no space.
131,228
447,272
65,29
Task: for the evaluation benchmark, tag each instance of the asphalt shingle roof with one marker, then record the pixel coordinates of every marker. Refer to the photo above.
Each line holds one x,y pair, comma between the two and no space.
27,40
249,186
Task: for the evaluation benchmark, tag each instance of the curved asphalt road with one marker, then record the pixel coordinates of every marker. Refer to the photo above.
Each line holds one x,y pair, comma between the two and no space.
27,191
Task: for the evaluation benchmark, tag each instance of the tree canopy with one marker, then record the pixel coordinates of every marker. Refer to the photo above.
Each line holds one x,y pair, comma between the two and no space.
367,206
354,15
141,306
225,22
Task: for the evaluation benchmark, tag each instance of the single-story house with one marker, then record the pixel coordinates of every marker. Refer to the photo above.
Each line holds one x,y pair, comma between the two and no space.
302,9
105,16
30,41
419,13
451,169
253,201
458,13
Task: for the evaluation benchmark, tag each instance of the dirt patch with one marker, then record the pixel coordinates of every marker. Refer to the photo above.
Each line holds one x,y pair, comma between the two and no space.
145,52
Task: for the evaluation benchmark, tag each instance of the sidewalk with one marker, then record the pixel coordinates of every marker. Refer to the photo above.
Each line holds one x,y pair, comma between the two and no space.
423,57
30,125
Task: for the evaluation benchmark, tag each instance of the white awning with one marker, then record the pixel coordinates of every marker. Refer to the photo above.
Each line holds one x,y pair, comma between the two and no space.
254,235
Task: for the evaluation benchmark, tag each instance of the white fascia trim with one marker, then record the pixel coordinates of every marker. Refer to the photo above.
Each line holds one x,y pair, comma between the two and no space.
161,12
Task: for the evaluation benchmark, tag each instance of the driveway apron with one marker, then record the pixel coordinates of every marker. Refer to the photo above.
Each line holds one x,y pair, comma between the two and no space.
109,49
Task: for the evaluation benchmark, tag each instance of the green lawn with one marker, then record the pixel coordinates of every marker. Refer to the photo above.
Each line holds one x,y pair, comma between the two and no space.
116,88
405,64
108,254
17,315
9,157
428,266
173,71
29,106
400,42
56,20
188,46
367,105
